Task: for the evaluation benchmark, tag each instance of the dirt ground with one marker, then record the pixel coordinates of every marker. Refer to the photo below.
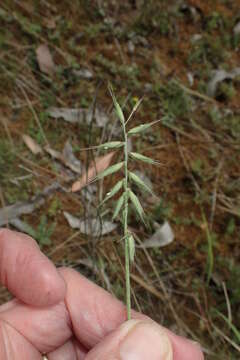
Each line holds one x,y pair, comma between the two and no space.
182,59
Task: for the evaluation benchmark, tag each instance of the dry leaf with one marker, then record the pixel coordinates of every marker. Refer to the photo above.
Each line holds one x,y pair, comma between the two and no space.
219,76
8,213
70,159
92,227
163,236
79,116
22,226
11,212
89,193
31,144
45,60
54,153
100,164
68,114
67,157
83,74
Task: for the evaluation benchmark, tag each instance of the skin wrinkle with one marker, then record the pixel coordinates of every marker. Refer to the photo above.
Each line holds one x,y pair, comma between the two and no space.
69,320
100,329
44,284
8,305
31,261
19,261
87,318
59,312
6,346
75,349
6,322
64,273
15,343
22,262
71,350
102,316
79,352
65,352
70,323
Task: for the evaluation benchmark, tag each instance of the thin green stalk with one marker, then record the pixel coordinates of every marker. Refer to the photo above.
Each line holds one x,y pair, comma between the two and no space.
125,221
122,202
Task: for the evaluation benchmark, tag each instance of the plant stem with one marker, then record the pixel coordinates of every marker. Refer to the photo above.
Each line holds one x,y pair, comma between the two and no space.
125,220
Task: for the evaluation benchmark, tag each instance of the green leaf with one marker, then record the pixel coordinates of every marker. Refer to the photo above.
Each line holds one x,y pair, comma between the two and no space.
117,106
114,191
119,113
118,206
111,170
111,145
136,179
131,247
137,205
140,128
140,157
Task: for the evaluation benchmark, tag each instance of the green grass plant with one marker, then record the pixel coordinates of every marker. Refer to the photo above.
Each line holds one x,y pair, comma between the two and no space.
128,196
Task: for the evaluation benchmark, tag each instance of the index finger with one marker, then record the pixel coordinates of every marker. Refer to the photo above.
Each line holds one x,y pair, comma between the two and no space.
26,272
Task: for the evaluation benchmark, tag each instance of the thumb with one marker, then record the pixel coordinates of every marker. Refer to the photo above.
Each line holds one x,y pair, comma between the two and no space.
134,340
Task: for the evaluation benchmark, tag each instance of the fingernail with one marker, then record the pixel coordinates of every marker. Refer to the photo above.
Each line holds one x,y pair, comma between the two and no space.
143,341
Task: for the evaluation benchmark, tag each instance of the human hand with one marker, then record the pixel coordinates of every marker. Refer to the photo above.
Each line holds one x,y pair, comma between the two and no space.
62,314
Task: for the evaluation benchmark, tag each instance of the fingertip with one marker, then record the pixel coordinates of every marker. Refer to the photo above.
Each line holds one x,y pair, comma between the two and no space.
27,273
135,339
